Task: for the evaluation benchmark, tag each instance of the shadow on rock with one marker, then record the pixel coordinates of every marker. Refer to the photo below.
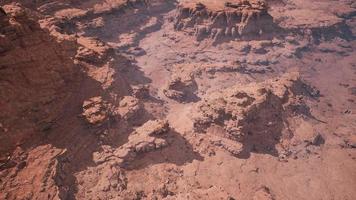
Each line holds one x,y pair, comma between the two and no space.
178,152
262,128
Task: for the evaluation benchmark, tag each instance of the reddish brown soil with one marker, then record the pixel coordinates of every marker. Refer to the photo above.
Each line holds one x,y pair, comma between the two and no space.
165,99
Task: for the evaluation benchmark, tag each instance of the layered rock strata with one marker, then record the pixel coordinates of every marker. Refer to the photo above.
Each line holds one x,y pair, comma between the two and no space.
238,19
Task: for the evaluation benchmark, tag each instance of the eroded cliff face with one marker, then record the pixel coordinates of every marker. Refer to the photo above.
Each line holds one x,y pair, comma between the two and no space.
258,118
49,78
37,76
232,20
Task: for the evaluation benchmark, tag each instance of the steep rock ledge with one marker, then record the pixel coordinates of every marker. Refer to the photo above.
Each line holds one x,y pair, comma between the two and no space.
241,19
256,116
36,76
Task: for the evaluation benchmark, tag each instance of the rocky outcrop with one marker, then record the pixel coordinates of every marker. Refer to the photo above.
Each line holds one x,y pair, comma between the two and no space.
100,7
149,137
238,19
107,179
255,114
141,91
181,87
31,178
97,111
37,75
130,108
109,6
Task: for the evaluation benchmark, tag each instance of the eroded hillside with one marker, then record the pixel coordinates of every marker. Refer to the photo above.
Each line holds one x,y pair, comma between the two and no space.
165,99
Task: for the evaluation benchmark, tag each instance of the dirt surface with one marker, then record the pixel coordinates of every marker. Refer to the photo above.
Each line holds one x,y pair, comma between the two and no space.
165,99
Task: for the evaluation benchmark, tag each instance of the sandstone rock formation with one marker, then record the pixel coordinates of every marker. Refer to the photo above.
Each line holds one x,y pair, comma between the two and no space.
32,174
96,111
237,19
253,113
130,108
36,79
181,87
188,99
108,179
148,137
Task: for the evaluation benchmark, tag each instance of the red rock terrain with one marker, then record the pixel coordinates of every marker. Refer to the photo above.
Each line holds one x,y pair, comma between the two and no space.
165,99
